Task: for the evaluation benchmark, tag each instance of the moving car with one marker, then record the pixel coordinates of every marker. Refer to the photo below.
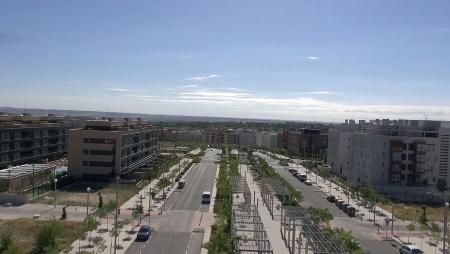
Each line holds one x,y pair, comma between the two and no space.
331,199
206,197
410,249
302,177
143,233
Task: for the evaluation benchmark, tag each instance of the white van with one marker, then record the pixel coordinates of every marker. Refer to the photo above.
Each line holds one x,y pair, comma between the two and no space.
206,197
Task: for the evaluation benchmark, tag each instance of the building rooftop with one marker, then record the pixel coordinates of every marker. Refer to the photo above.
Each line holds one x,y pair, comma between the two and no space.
22,170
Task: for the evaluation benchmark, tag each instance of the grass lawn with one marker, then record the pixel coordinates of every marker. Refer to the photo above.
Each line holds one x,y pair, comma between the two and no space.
75,195
408,211
24,231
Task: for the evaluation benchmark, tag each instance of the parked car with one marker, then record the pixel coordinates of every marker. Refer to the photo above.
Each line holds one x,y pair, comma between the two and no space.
181,184
143,233
344,207
410,249
351,211
295,174
302,177
331,198
308,182
339,203
292,171
206,197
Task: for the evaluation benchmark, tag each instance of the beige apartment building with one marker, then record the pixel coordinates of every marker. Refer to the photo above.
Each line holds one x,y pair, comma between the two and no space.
107,147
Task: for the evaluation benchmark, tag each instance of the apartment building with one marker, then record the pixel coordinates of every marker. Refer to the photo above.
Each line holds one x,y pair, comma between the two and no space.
267,140
401,158
107,147
174,135
307,141
29,139
221,136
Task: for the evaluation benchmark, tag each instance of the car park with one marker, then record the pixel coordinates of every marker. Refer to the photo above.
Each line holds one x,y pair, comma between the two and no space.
143,233
410,249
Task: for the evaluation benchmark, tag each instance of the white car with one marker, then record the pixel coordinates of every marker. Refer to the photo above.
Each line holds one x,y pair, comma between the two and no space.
308,182
410,249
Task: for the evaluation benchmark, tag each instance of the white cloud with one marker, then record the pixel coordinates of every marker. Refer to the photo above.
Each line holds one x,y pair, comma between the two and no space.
322,93
205,77
189,86
235,102
118,89
314,58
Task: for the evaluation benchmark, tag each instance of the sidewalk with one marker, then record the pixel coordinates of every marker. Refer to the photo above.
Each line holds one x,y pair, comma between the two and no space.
272,227
125,239
421,240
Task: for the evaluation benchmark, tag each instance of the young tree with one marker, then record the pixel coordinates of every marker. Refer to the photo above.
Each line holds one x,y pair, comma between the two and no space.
435,233
6,240
138,211
46,237
91,223
410,227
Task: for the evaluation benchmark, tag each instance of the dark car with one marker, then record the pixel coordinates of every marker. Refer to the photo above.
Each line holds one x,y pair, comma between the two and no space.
331,198
295,174
143,233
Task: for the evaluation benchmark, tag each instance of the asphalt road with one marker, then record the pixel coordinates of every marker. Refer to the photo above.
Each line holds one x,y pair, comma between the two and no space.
363,232
175,230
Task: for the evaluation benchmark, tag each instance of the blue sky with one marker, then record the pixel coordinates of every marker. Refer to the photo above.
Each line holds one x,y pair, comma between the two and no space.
300,60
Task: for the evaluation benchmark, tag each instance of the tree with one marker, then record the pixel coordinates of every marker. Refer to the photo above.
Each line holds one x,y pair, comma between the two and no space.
410,227
323,215
138,211
435,233
6,240
46,237
91,223
108,209
423,217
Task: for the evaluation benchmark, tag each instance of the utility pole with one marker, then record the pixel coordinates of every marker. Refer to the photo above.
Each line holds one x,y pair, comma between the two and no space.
149,204
115,217
445,221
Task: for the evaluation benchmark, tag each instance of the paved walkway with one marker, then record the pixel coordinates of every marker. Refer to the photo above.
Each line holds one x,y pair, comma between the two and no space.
272,227
124,238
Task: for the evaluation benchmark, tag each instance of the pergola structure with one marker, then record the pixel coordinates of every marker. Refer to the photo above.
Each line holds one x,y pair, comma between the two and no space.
274,195
247,230
239,186
301,232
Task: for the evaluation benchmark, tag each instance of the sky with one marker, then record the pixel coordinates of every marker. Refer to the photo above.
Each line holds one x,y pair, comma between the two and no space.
318,60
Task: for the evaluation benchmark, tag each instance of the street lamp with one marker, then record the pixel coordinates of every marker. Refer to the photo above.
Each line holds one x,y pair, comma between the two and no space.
87,203
56,180
445,222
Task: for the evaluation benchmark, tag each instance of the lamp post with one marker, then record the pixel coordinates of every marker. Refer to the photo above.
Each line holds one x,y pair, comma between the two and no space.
445,222
87,201
56,180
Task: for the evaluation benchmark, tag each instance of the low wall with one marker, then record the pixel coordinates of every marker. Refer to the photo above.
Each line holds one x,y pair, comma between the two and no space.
13,198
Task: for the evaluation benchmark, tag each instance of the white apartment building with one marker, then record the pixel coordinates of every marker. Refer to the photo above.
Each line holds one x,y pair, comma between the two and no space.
403,159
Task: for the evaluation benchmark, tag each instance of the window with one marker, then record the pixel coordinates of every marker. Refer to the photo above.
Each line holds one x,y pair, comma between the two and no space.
101,152
100,164
85,163
85,151
403,156
99,141
411,147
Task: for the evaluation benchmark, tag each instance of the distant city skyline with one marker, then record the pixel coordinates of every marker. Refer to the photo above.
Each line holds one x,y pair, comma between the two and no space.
290,60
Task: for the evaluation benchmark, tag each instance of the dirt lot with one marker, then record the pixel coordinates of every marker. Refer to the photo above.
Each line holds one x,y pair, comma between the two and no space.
24,231
76,195
408,212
